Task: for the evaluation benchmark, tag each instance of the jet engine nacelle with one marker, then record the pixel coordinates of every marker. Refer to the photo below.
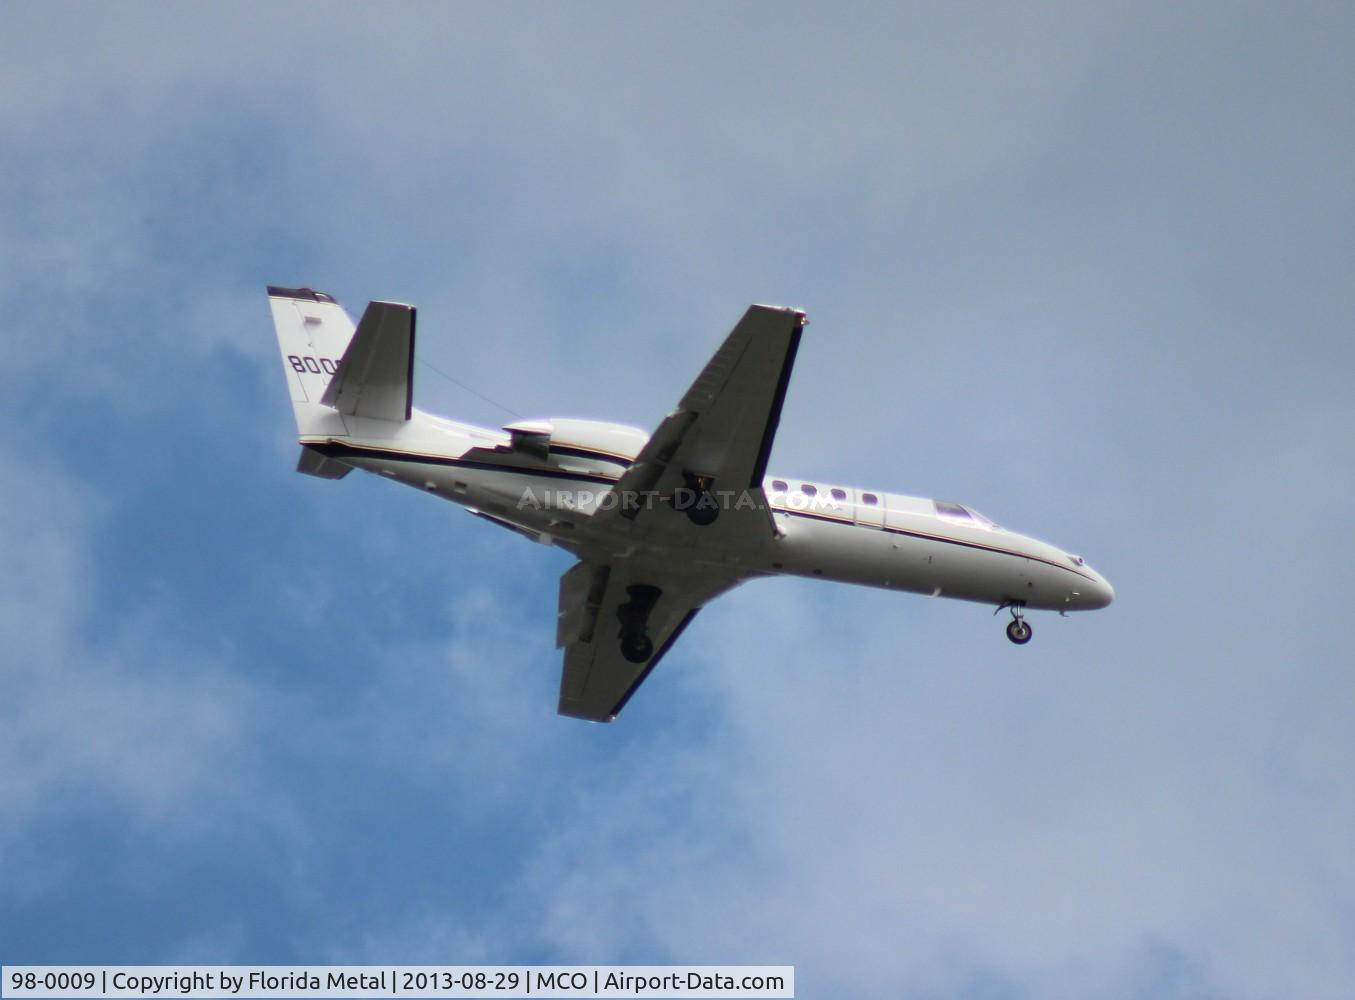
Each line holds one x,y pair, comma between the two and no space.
566,440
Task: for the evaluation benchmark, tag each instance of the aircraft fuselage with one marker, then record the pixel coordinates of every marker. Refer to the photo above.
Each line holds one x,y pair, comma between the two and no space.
866,537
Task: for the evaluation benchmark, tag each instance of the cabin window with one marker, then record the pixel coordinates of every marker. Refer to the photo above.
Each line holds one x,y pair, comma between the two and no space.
952,512
869,499
838,495
809,489
779,485
962,515
980,520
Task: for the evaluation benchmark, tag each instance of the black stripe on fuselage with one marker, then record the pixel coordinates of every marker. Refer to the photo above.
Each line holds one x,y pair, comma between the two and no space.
333,449
928,537
574,451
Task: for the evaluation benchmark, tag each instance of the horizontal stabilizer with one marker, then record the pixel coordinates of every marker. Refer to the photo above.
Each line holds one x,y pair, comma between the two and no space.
376,375
314,463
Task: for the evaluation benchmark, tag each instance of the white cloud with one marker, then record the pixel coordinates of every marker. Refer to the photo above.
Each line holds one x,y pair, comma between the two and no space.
1024,247
893,823
98,714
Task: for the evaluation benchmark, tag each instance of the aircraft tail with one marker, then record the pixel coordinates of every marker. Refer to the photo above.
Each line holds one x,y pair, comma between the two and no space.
335,370
313,333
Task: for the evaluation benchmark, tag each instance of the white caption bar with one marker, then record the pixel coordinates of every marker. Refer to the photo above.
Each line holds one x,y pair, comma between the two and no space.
362,981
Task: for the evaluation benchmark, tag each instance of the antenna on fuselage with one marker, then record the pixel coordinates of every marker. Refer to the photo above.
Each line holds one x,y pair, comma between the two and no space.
477,395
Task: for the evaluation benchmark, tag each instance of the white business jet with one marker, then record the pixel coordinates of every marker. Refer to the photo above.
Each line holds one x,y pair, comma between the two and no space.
661,523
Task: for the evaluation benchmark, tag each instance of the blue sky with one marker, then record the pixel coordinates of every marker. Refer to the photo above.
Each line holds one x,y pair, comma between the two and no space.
1085,267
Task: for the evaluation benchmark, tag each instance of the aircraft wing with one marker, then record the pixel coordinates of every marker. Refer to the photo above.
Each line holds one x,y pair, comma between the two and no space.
598,602
722,430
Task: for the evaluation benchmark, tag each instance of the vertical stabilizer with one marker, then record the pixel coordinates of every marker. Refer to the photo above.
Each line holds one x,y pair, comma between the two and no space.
313,334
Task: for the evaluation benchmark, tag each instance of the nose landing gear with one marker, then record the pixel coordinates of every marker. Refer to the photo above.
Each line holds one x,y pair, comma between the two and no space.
1018,629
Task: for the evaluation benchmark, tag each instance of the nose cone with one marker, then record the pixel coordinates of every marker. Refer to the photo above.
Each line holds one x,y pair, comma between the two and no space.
1102,593
1089,590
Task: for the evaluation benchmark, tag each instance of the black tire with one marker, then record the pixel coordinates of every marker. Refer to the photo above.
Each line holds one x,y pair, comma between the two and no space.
637,647
704,514
1018,632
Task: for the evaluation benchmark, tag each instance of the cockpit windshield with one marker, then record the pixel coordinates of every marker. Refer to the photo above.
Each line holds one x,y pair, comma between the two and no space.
957,514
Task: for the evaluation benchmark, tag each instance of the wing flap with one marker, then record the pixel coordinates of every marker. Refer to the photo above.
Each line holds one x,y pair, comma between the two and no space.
582,589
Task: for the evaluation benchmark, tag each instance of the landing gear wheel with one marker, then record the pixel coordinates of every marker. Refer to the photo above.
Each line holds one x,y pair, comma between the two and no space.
1018,631
705,512
636,647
